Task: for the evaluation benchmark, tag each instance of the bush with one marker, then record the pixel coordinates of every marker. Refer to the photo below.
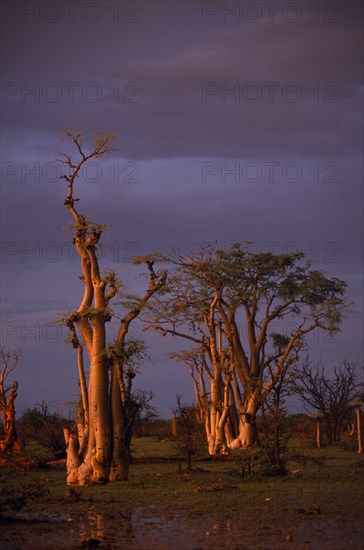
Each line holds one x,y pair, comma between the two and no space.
45,428
156,427
189,431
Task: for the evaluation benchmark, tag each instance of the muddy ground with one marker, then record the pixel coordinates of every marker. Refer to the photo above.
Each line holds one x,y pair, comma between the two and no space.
317,505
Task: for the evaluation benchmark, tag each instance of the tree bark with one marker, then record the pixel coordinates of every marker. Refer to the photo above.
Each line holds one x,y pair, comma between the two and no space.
98,450
248,432
359,429
10,443
122,427
318,433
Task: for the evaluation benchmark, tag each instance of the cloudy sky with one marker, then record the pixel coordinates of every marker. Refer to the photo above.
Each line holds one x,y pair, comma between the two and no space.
238,121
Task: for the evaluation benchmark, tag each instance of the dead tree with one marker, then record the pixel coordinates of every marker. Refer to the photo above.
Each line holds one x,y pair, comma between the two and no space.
8,437
330,397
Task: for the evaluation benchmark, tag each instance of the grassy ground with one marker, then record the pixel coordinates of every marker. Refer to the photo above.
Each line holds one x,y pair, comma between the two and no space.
163,506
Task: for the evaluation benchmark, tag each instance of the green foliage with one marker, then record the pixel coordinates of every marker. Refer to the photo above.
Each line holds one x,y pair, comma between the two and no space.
279,341
283,283
93,313
130,354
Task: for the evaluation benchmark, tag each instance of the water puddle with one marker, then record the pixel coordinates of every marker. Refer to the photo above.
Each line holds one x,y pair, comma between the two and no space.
42,517
145,529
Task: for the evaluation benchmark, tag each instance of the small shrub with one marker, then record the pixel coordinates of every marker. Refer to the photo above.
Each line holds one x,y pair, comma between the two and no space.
47,429
189,431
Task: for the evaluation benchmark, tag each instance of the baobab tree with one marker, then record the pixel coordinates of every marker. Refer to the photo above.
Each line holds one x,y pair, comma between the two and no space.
99,450
8,438
215,399
247,314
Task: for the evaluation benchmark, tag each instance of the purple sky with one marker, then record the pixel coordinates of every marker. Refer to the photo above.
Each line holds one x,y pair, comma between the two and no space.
239,121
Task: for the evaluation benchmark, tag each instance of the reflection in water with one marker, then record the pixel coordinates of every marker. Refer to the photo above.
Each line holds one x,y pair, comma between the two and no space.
112,527
92,526
143,529
102,529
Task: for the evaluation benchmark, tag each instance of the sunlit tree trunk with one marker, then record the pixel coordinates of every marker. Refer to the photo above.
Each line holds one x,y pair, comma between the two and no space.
98,450
248,433
359,429
318,433
174,424
213,402
9,442
214,292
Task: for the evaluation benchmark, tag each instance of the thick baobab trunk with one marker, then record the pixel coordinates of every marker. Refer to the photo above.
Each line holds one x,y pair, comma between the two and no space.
79,465
216,440
218,416
122,428
231,430
248,432
91,464
100,450
80,445
100,420
224,427
78,472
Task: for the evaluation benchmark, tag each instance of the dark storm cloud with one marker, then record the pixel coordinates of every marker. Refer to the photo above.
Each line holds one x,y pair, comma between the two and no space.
170,81
203,103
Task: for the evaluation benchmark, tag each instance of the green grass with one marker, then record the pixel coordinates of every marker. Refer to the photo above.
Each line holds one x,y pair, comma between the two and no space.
331,476
36,451
153,446
329,482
